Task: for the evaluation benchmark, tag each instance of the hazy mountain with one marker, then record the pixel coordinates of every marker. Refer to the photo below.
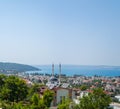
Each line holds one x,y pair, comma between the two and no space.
16,67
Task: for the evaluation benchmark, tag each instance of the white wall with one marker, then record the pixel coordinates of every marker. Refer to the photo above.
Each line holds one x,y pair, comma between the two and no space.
62,92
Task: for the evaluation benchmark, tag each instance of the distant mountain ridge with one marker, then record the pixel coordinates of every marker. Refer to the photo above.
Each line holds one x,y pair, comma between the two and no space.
6,66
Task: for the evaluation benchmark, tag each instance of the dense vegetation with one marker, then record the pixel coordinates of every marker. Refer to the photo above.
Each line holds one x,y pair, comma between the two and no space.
16,67
94,100
15,94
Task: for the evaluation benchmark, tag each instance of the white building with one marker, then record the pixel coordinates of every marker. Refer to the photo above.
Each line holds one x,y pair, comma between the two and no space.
62,93
52,82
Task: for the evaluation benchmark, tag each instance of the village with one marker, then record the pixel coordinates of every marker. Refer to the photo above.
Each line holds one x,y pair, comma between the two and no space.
74,87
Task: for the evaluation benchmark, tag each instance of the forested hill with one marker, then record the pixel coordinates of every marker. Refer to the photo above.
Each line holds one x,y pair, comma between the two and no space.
16,67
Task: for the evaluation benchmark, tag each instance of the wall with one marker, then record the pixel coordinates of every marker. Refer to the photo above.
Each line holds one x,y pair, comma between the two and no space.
62,92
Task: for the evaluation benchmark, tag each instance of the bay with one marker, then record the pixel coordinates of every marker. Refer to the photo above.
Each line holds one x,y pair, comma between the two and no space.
84,70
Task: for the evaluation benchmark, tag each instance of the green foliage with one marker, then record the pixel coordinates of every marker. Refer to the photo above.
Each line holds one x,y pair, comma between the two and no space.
39,106
65,104
16,67
37,102
48,97
42,105
43,102
96,100
35,99
83,87
2,80
14,89
19,105
34,89
14,93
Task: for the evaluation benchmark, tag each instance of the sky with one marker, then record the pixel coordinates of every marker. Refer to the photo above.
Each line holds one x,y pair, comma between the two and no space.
80,32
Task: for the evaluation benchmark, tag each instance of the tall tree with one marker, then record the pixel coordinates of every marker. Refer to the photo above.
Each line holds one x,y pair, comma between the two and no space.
37,102
48,97
2,80
95,100
65,104
14,89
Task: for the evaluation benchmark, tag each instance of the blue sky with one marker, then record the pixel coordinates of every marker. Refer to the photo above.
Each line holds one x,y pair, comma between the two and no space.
84,32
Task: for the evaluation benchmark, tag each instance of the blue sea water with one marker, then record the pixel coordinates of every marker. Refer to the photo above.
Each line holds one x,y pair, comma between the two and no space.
70,70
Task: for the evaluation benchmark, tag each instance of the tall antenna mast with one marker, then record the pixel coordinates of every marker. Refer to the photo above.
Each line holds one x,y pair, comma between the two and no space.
59,73
52,69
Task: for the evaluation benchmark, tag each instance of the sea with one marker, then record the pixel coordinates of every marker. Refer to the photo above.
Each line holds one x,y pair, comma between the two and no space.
84,70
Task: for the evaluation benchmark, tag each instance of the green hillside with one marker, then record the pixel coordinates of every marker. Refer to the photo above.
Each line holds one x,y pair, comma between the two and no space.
16,67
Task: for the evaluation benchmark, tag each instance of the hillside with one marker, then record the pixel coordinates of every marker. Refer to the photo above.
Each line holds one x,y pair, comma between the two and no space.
16,67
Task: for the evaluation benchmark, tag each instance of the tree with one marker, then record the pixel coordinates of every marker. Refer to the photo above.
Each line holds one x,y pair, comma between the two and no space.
37,102
2,80
43,102
65,104
48,97
34,89
35,99
95,100
14,89
83,87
